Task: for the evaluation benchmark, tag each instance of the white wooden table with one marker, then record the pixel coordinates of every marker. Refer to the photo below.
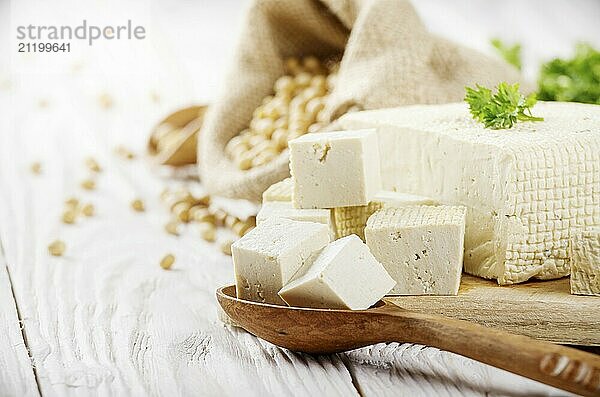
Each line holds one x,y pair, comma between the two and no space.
105,319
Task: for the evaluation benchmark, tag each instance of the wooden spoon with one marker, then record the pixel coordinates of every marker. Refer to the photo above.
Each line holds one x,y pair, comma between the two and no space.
322,331
183,127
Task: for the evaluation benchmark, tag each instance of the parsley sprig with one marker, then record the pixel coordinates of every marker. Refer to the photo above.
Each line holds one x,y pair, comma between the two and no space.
502,109
510,53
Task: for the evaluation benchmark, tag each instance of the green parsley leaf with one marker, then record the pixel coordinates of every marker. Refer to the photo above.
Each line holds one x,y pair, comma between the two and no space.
511,54
477,100
502,109
572,80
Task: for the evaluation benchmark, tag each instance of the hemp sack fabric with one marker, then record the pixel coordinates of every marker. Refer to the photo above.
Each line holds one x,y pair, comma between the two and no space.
389,59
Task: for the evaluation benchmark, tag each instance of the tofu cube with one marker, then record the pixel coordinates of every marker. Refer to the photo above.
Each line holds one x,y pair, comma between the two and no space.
283,209
267,257
335,169
280,191
344,275
421,247
585,262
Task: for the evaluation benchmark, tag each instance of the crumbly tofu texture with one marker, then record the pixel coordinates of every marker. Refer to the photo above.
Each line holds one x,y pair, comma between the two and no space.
344,275
280,191
585,262
421,247
267,257
526,189
335,169
352,220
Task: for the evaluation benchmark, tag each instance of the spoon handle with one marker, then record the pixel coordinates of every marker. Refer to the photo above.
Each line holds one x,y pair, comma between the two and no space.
562,367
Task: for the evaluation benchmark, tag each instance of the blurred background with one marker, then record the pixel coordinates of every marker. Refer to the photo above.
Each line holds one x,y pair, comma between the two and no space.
189,45
189,42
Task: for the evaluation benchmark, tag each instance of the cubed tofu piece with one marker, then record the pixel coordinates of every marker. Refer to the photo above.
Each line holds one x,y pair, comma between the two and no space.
280,191
335,169
267,257
526,189
283,209
352,220
421,247
585,262
344,275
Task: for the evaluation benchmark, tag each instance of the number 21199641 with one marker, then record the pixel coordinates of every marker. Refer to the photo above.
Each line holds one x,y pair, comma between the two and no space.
44,47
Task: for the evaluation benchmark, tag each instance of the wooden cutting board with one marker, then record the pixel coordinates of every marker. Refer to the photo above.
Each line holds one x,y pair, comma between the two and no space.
539,309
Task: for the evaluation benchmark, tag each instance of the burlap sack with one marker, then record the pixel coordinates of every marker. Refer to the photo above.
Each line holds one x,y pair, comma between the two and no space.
389,59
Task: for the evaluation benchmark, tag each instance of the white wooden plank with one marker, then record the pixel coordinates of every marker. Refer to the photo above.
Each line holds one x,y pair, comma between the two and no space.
413,370
16,373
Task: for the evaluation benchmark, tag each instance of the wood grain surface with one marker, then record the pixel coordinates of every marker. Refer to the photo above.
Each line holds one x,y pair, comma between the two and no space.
540,309
16,372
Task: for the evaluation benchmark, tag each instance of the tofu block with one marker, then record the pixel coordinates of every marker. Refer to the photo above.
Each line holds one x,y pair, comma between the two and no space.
335,169
283,209
585,262
352,220
526,189
344,275
280,191
421,247
267,257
